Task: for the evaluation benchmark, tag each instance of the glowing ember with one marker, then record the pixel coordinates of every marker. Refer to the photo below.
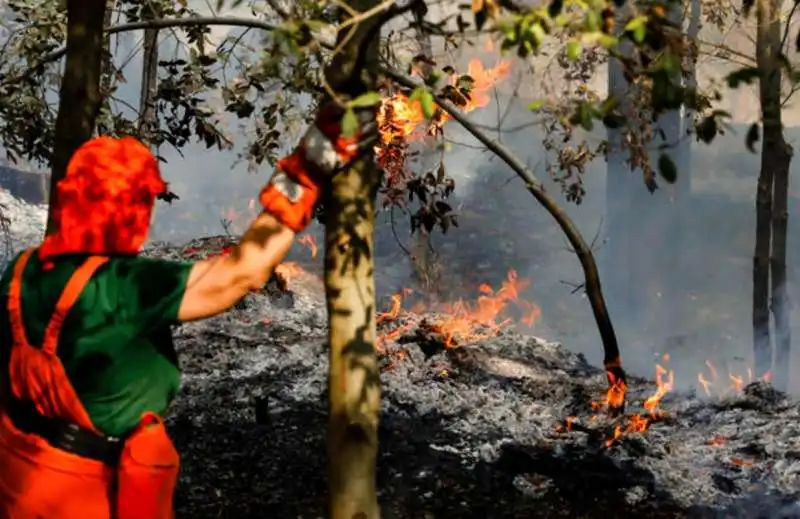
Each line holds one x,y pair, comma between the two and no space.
464,321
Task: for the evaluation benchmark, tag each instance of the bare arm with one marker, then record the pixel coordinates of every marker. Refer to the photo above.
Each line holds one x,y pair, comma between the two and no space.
288,200
216,284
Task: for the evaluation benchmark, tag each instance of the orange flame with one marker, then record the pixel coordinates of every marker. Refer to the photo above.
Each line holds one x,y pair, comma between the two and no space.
309,241
714,385
638,422
465,321
400,117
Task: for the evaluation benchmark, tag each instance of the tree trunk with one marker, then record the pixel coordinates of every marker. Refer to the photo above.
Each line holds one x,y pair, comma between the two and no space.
668,220
148,121
354,381
773,187
107,70
781,305
79,97
424,258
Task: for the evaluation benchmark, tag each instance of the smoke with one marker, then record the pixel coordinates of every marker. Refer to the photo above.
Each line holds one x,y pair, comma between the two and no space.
502,227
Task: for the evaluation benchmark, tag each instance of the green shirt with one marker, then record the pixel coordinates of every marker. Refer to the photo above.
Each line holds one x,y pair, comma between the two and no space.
116,344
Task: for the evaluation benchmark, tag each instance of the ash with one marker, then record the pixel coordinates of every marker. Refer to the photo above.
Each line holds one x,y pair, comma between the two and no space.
21,225
474,431
501,428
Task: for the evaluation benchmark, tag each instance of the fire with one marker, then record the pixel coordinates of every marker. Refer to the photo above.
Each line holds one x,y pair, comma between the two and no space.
714,385
400,117
464,321
637,422
484,80
289,270
309,241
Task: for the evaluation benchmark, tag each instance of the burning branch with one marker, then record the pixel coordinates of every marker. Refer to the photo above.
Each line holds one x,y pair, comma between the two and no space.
612,360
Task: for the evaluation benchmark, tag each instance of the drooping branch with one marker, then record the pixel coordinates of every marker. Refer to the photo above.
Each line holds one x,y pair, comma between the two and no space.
611,352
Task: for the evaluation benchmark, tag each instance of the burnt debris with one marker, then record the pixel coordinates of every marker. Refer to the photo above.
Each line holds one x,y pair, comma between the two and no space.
496,426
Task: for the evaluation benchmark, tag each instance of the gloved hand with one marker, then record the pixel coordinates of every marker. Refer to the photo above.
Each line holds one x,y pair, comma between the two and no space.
293,191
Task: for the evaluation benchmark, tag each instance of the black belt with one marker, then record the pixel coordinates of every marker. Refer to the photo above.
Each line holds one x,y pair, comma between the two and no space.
64,435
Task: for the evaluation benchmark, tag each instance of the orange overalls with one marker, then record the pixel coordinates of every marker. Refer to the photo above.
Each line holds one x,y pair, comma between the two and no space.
41,481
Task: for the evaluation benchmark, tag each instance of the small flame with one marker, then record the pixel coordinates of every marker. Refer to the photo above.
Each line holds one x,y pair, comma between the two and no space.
464,321
638,422
309,241
714,385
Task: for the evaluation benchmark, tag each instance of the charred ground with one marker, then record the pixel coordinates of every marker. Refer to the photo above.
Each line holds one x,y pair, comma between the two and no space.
501,428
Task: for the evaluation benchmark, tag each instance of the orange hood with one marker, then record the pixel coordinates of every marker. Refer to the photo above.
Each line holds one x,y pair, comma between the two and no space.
105,201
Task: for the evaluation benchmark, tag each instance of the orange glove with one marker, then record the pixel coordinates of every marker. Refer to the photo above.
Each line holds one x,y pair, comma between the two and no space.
295,187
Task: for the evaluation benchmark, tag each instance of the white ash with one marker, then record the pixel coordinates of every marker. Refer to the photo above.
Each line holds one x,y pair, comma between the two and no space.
26,223
464,430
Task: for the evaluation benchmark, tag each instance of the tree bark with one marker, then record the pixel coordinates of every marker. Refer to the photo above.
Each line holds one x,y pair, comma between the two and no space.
79,97
148,120
771,202
353,382
107,70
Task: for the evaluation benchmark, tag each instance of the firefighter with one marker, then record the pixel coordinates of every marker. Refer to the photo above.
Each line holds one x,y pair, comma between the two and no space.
87,362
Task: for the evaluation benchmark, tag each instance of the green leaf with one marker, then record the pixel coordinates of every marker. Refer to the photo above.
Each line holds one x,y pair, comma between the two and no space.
637,27
752,138
426,101
592,22
573,50
536,105
428,104
744,75
667,169
366,100
349,124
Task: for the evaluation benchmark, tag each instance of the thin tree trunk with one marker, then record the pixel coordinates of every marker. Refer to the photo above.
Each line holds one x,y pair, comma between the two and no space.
776,156
107,72
668,208
770,77
424,258
148,121
353,382
781,305
79,97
